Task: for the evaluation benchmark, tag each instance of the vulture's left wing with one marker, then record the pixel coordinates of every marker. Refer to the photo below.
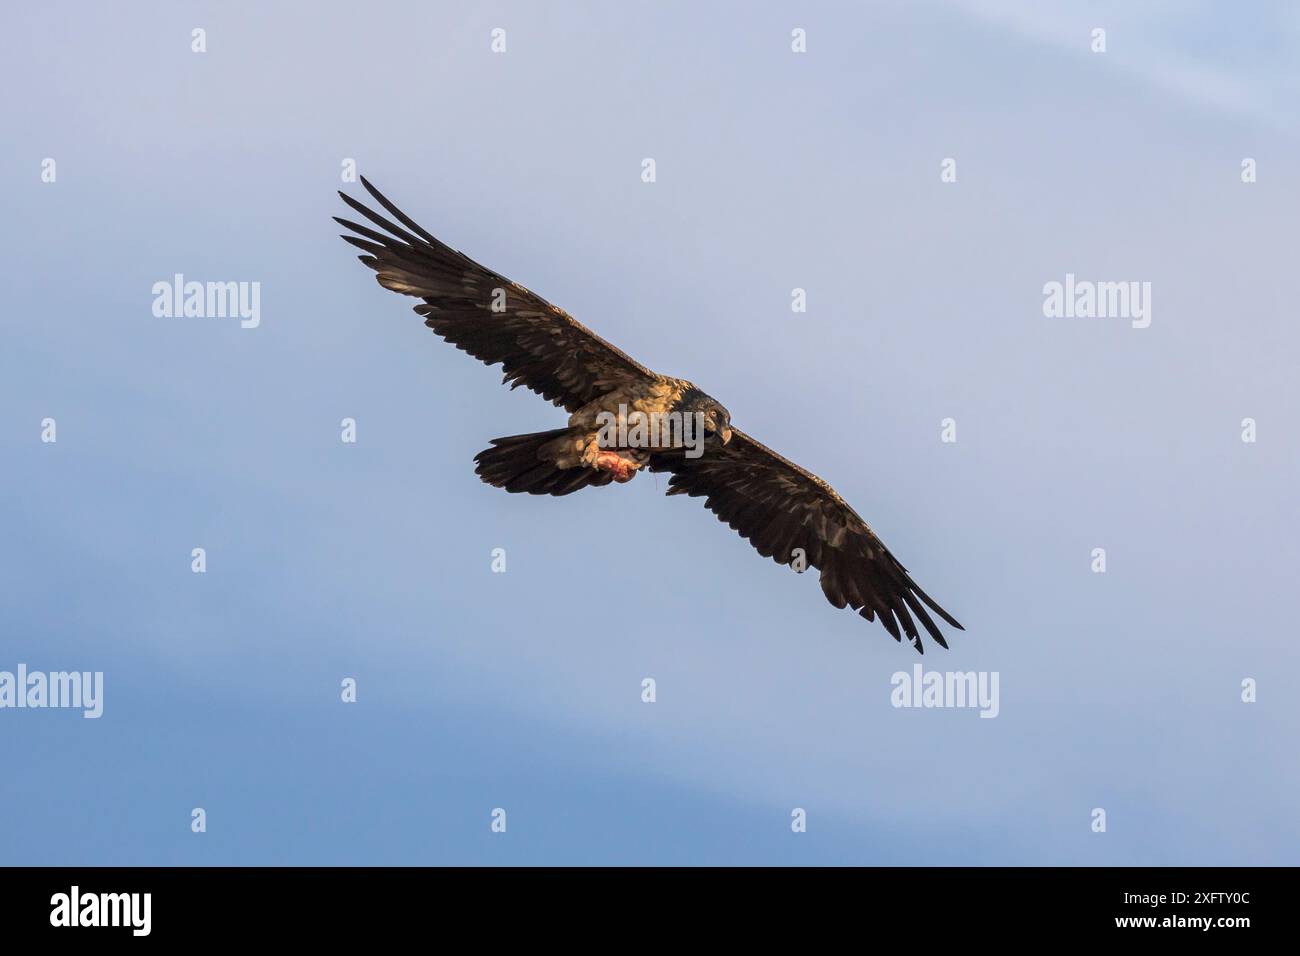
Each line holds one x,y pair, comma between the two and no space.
779,507
485,314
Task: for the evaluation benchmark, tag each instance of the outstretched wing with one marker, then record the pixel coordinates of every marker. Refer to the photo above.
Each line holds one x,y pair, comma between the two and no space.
488,316
779,508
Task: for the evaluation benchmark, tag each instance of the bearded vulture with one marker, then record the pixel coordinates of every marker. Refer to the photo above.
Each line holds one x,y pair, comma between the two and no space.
624,417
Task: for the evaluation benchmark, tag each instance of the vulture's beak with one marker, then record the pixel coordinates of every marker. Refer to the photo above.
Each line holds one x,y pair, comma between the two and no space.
725,434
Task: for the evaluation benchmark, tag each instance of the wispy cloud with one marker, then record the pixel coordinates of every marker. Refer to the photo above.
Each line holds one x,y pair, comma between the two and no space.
1234,59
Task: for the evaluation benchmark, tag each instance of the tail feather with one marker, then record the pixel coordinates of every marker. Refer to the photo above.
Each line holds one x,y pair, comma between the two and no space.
515,464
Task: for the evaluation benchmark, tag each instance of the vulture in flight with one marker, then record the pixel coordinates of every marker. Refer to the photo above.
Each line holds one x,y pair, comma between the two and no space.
624,417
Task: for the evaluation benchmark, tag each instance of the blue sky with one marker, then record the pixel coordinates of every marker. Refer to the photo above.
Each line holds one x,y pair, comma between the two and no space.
522,690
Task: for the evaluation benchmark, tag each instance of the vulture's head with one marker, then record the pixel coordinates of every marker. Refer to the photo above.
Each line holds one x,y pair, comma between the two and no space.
717,420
